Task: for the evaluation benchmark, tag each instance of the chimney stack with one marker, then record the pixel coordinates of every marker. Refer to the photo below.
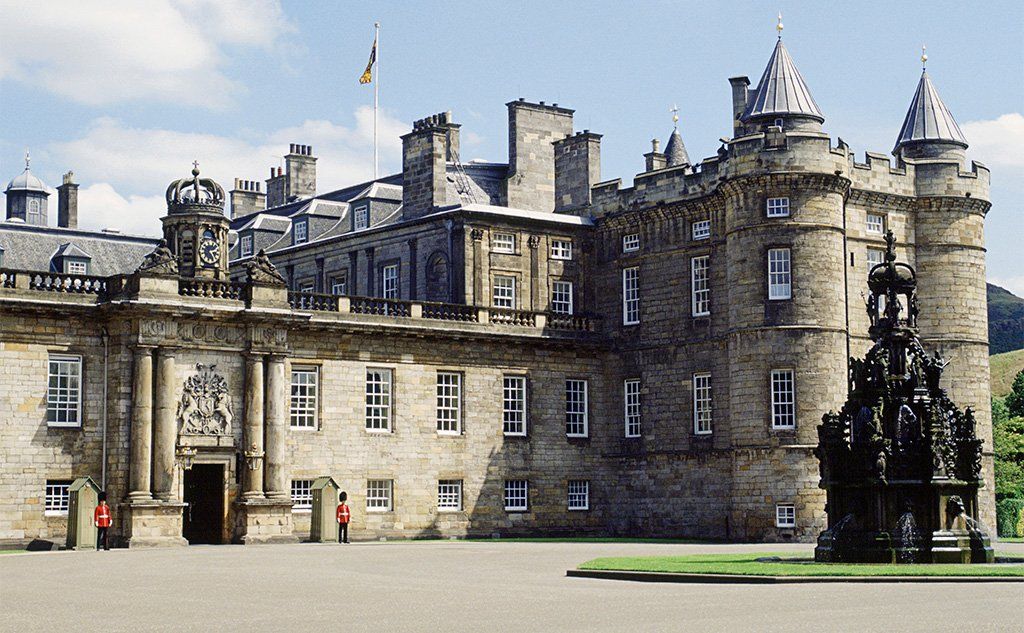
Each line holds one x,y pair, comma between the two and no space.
577,169
67,202
654,159
740,95
300,165
533,128
425,154
247,198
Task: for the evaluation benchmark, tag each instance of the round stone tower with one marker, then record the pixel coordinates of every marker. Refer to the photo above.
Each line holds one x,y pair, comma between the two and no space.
952,201
784,196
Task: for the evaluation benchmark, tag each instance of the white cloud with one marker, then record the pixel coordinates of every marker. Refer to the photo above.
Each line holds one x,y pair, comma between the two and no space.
125,170
1013,284
997,142
106,51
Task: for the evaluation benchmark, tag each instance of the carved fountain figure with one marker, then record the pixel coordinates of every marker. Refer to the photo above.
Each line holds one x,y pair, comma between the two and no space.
900,462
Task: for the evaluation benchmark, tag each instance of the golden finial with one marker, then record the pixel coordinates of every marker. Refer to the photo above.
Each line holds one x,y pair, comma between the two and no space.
675,115
924,56
779,27
28,159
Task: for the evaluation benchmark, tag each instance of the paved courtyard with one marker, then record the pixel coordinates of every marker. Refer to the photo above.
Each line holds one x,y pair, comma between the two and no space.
455,586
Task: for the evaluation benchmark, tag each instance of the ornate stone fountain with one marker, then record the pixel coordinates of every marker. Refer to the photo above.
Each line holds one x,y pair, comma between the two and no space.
901,464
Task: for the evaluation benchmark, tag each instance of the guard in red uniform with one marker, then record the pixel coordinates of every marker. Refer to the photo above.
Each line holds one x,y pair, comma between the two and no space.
102,519
343,517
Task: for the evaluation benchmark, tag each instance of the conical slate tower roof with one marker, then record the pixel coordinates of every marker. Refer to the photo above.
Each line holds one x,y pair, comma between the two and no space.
675,151
781,91
928,119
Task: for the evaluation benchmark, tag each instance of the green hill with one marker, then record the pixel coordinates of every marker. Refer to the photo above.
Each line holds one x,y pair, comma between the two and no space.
1005,320
1004,368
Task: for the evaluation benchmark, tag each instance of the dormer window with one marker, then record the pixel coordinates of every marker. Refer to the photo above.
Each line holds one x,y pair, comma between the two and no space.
76,267
778,207
361,219
779,124
301,232
245,246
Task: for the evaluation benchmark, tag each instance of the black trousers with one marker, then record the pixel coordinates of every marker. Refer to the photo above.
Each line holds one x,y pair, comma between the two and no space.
343,532
101,537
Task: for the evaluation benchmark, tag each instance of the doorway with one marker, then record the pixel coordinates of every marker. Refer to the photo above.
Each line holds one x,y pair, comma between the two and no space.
204,494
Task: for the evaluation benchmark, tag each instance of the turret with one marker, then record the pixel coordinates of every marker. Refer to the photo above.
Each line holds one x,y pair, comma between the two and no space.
781,98
675,151
195,228
27,197
929,130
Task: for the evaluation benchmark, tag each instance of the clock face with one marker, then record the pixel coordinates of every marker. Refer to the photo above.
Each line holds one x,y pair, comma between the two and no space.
209,252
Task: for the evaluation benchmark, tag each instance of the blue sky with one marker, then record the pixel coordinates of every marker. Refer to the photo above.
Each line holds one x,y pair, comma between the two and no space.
127,94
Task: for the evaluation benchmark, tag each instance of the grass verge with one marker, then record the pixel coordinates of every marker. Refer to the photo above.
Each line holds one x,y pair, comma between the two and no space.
747,565
557,539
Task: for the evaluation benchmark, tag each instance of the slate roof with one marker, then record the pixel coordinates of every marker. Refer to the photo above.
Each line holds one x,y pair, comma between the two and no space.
782,90
27,181
675,151
928,118
29,247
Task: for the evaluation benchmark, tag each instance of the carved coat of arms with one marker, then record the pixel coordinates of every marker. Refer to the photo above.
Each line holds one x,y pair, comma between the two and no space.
205,407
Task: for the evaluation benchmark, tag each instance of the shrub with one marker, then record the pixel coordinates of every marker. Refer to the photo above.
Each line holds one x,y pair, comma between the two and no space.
1010,517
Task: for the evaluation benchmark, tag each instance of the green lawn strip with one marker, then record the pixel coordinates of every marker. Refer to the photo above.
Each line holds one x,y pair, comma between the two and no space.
1011,539
555,539
746,565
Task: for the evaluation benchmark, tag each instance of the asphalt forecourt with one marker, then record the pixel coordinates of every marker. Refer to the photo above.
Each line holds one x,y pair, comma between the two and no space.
774,567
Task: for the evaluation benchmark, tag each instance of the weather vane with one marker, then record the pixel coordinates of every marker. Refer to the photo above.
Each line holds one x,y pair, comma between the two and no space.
779,27
924,57
28,158
675,115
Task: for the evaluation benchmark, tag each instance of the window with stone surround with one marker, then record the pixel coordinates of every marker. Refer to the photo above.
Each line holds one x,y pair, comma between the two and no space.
785,515
504,292
576,414
503,243
561,297
514,405
873,257
783,399
630,243
778,207
449,402
700,286
378,399
339,284
561,249
361,218
302,494
64,390
449,495
579,494
58,497
305,397
517,495
378,495
307,285
631,399
700,230
876,223
631,295
245,246
702,404
779,274
389,281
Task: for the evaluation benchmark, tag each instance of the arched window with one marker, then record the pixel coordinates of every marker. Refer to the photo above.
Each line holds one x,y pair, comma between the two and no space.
34,213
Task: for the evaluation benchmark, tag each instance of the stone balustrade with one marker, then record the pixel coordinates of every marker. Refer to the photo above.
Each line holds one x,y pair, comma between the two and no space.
129,286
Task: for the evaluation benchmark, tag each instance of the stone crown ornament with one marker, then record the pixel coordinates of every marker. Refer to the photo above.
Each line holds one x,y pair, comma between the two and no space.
205,407
187,194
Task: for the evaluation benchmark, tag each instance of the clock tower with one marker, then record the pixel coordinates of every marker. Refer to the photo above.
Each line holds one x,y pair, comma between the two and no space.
195,228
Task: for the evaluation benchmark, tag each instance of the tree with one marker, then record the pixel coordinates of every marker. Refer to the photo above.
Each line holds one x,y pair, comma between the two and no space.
1008,444
1015,399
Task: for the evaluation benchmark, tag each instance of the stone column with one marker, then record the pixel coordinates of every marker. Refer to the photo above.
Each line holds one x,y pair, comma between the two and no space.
414,293
141,425
254,387
165,430
276,429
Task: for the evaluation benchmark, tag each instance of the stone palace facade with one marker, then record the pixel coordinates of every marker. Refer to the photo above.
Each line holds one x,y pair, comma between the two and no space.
484,348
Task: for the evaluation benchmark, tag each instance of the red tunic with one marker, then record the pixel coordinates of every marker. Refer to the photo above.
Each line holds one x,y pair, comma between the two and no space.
343,513
102,516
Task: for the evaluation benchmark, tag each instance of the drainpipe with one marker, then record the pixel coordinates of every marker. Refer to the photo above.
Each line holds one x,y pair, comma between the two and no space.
106,357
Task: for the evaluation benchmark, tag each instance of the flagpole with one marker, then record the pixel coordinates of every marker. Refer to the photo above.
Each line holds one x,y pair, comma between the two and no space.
376,89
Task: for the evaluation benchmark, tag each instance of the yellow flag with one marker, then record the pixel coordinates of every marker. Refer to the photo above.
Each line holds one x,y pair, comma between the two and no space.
367,75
